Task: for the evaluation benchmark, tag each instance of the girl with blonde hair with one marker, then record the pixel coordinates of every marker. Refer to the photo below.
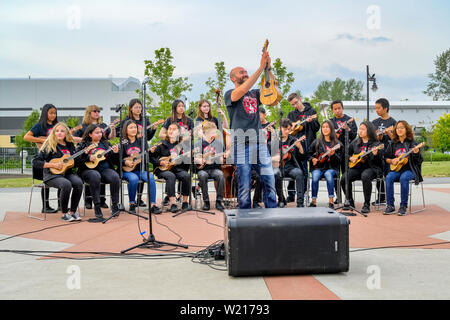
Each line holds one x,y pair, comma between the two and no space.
59,143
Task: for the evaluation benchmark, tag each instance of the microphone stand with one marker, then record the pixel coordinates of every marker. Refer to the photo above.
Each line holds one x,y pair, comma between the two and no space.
347,206
121,143
191,170
151,241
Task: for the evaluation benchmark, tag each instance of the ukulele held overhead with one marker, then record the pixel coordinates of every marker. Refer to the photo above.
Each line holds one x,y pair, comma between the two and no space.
270,94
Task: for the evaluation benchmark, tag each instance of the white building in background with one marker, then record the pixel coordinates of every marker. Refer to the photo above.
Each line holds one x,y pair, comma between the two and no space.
71,96
419,114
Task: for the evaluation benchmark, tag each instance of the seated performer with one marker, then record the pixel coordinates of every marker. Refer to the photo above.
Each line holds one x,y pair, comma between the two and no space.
37,134
169,164
179,117
58,144
92,116
132,170
325,161
101,171
370,167
288,166
402,142
208,160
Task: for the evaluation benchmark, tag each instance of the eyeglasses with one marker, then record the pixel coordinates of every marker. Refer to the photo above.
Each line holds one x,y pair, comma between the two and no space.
97,111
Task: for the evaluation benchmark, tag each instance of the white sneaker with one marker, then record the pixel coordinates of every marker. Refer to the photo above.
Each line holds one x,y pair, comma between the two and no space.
67,217
76,216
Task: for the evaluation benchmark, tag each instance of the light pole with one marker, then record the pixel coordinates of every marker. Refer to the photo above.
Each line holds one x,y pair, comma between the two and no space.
370,78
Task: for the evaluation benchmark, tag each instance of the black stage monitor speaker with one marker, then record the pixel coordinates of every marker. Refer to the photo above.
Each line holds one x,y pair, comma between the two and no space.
286,241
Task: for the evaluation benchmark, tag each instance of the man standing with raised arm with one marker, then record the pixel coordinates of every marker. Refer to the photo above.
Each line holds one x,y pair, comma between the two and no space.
248,140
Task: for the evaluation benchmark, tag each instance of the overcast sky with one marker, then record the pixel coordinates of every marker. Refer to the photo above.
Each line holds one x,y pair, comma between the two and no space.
317,40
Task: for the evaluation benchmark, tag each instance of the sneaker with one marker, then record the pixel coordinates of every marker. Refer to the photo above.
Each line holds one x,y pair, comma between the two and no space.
166,201
219,205
186,206
281,204
140,203
132,208
205,207
155,210
88,205
379,202
402,211
331,205
312,205
115,211
67,217
389,210
290,198
300,205
49,210
365,208
76,216
174,208
104,205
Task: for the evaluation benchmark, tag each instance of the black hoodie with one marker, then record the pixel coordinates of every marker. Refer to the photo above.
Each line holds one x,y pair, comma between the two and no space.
309,128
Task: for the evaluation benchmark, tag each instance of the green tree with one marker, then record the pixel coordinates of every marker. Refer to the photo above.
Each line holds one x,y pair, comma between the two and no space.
441,133
32,119
350,90
219,82
439,86
163,84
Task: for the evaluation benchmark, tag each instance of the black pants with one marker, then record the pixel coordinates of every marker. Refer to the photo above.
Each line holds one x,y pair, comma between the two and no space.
171,177
217,175
257,196
291,185
88,195
366,175
298,176
67,184
108,176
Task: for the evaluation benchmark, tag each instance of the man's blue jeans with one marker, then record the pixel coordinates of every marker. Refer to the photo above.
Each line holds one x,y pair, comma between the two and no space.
248,157
404,178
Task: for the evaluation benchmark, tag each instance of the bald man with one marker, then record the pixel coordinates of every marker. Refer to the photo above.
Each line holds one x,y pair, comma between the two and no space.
247,136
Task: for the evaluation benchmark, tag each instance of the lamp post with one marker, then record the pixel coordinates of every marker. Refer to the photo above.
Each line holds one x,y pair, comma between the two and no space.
369,79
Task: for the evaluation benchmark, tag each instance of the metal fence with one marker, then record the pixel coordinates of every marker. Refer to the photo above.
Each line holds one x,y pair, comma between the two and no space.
16,160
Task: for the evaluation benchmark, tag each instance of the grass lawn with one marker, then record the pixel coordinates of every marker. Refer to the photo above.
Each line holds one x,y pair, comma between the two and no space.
435,169
16,182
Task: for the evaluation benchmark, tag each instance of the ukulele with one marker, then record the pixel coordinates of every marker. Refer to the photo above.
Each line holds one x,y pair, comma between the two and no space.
172,159
68,161
324,156
157,123
360,156
136,158
338,130
39,144
114,123
298,125
286,154
403,158
380,133
208,159
270,94
100,156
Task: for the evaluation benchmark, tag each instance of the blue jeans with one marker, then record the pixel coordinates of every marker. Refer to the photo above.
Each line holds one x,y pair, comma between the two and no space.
249,157
317,174
133,180
404,178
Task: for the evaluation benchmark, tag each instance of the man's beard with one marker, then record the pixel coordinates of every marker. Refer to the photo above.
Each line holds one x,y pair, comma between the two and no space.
242,80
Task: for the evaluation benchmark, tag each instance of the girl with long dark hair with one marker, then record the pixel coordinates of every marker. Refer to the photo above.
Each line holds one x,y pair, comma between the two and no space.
102,173
179,117
329,166
370,167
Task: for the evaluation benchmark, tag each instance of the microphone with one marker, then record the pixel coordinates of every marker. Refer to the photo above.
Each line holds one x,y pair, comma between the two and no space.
118,107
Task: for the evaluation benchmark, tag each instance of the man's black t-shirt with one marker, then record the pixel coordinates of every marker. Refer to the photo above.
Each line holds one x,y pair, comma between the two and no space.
244,113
